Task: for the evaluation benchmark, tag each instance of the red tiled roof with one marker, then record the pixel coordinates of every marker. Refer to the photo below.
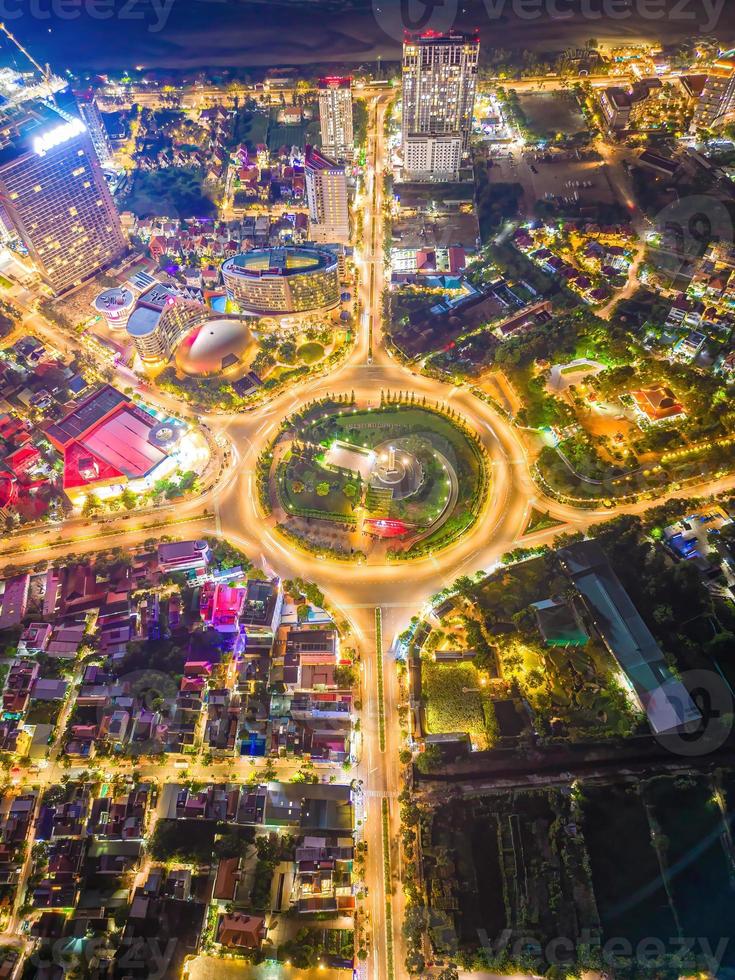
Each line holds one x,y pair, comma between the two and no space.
73,478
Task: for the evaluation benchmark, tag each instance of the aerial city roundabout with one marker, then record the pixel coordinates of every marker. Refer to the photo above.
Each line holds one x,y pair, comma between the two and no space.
355,482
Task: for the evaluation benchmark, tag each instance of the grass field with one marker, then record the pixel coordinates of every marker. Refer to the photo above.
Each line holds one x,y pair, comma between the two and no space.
309,473
310,353
454,701
553,112
280,134
177,192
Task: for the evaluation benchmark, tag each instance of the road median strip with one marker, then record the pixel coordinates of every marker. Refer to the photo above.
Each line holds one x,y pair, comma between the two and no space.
379,659
387,878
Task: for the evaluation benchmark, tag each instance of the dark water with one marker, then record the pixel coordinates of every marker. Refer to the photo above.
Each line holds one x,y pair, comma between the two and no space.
122,34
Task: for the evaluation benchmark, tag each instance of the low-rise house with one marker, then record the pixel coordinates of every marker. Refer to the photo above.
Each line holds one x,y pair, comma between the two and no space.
226,879
34,638
14,601
49,689
239,930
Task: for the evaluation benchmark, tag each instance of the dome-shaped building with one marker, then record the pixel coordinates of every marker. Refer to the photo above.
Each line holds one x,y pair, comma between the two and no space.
215,346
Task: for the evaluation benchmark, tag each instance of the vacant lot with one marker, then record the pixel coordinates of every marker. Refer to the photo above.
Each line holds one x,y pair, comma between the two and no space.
174,192
454,701
627,879
551,113
698,864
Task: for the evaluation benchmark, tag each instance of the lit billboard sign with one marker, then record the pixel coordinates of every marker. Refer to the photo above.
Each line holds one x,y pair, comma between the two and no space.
58,135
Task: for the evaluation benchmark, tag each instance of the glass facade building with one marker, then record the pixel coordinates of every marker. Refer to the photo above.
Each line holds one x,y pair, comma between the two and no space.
282,281
54,193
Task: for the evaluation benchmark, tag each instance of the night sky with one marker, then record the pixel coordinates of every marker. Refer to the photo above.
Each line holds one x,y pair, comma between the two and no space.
119,34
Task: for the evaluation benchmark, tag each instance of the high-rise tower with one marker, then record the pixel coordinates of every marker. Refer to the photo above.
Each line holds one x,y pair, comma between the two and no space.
439,85
326,193
53,191
335,117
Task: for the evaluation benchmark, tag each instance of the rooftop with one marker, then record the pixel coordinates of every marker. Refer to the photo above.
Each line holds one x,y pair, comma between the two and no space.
667,702
286,261
85,415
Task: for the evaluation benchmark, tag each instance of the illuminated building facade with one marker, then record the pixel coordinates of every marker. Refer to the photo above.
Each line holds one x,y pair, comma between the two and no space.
326,193
54,194
115,305
439,85
335,117
717,101
160,321
283,281
107,443
92,118
432,156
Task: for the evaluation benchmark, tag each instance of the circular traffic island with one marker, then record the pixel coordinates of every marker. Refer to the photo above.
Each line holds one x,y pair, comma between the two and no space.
395,482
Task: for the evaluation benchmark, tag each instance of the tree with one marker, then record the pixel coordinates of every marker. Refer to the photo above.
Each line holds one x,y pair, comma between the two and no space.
430,759
350,491
449,972
322,489
344,676
92,505
297,486
128,499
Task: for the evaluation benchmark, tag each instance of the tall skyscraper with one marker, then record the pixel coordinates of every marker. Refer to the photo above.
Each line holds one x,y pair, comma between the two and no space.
53,191
335,117
717,100
326,194
92,118
439,85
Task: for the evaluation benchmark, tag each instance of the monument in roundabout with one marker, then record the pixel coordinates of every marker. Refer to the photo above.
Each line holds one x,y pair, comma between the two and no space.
394,482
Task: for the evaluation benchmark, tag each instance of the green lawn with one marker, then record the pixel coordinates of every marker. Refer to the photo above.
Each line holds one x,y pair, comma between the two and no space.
280,134
369,429
453,700
310,353
310,474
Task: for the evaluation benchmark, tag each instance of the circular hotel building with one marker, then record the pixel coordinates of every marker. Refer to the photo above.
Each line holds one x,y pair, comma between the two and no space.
115,305
282,281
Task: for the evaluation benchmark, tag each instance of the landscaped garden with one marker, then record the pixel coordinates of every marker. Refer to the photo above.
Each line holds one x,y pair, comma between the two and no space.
309,489
403,471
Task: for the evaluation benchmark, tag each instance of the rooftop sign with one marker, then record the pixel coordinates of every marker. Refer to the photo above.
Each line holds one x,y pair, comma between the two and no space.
58,135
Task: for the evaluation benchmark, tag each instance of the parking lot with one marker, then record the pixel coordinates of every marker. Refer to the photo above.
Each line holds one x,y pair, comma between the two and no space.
552,174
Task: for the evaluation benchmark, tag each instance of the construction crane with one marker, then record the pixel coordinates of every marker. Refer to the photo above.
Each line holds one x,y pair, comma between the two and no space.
44,72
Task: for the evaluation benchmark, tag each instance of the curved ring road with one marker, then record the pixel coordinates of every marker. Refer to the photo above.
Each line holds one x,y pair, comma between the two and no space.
231,510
